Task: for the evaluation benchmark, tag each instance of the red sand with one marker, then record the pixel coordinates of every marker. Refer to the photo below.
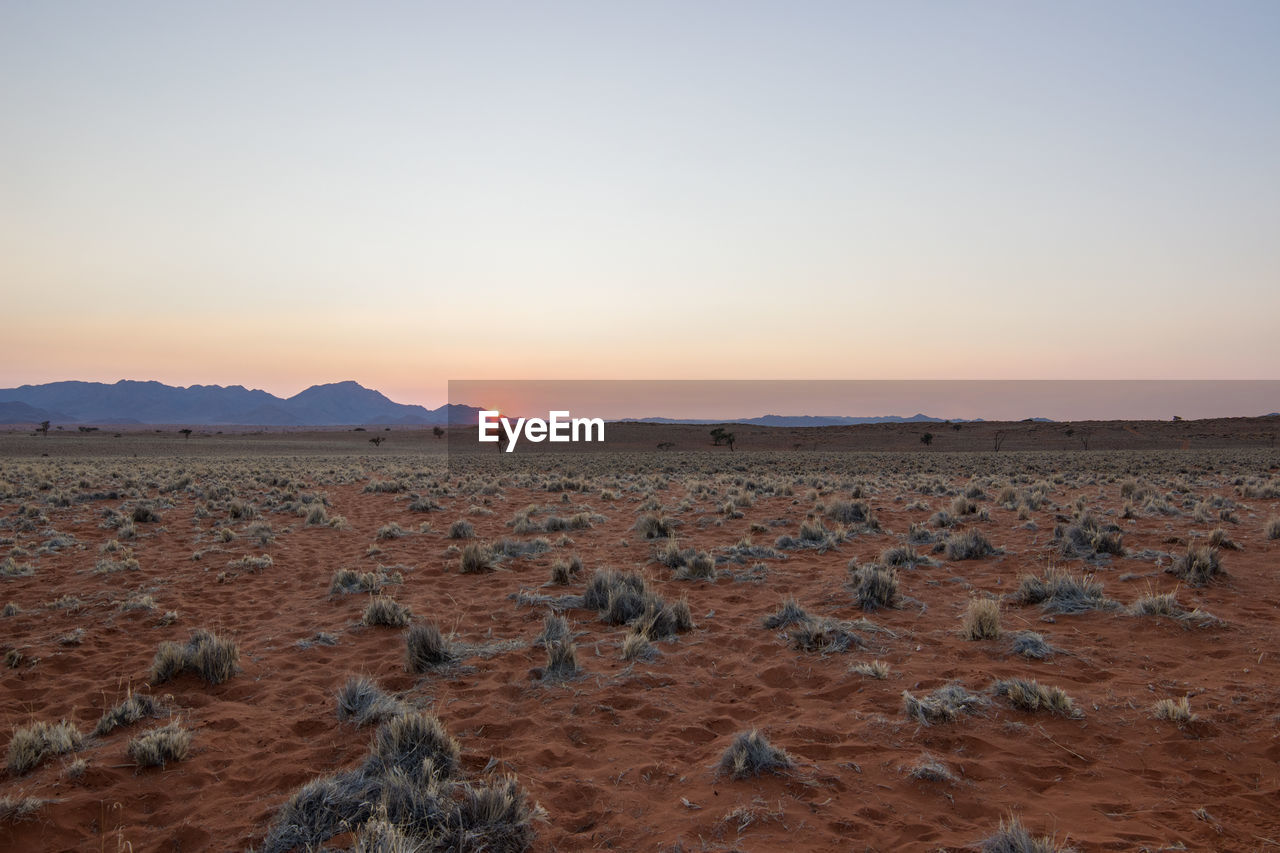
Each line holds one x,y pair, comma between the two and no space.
623,757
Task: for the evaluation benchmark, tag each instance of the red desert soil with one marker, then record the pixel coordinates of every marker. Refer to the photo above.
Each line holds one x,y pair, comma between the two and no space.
623,757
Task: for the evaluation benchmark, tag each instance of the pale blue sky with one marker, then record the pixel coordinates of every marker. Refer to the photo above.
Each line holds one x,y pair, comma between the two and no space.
277,194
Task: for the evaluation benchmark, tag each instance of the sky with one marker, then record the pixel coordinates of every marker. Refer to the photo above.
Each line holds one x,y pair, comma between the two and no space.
281,194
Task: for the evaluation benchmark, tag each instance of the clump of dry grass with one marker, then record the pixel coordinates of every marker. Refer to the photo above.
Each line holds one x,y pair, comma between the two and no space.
32,744
1222,540
16,808
823,635
1174,710
1059,592
563,571
461,529
361,701
874,586
652,526
636,646
562,659
751,754
160,746
943,705
877,669
1030,695
930,769
789,613
970,545
476,558
427,648
1032,645
1273,528
1013,837
981,620
1199,565
347,581
134,707
416,745
211,657
385,611
699,567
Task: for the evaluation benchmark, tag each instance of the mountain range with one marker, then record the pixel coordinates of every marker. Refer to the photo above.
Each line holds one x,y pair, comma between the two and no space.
132,402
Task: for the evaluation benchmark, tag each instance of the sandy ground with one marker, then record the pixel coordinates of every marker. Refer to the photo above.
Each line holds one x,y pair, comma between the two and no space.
624,756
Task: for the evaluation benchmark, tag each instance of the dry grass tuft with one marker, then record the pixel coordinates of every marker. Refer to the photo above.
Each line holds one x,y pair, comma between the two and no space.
1175,710
212,657
160,746
1198,566
427,648
1030,695
943,705
982,620
32,744
751,754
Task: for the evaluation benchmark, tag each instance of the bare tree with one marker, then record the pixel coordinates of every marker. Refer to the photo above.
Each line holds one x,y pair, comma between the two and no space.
998,439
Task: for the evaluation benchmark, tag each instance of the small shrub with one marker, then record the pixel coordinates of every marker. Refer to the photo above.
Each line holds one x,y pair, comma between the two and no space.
385,611
212,657
461,529
1220,539
476,559
160,746
877,669
427,648
875,586
1013,837
943,705
1029,644
135,707
982,619
32,744
16,808
1059,592
415,744
1174,710
1273,528
1198,566
751,754
361,701
789,613
652,526
701,567
636,646
562,659
826,636
970,545
1030,695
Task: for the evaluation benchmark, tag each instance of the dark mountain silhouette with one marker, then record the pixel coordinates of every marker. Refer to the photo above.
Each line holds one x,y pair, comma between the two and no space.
128,401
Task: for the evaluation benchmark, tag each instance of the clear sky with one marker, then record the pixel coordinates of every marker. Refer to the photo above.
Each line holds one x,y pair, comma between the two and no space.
278,194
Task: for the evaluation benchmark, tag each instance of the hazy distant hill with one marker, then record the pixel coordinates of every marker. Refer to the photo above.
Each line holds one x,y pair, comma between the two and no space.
128,401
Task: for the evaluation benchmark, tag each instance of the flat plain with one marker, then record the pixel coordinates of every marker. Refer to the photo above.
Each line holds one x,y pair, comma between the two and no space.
804,647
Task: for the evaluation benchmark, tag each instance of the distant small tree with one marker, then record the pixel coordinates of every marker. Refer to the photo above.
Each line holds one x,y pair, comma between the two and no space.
1085,435
926,439
666,445
377,440
437,432
1070,432
997,440
729,439
186,433
44,428
718,436
956,427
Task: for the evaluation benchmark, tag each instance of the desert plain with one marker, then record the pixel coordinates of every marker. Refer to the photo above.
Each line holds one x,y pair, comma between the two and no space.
850,640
